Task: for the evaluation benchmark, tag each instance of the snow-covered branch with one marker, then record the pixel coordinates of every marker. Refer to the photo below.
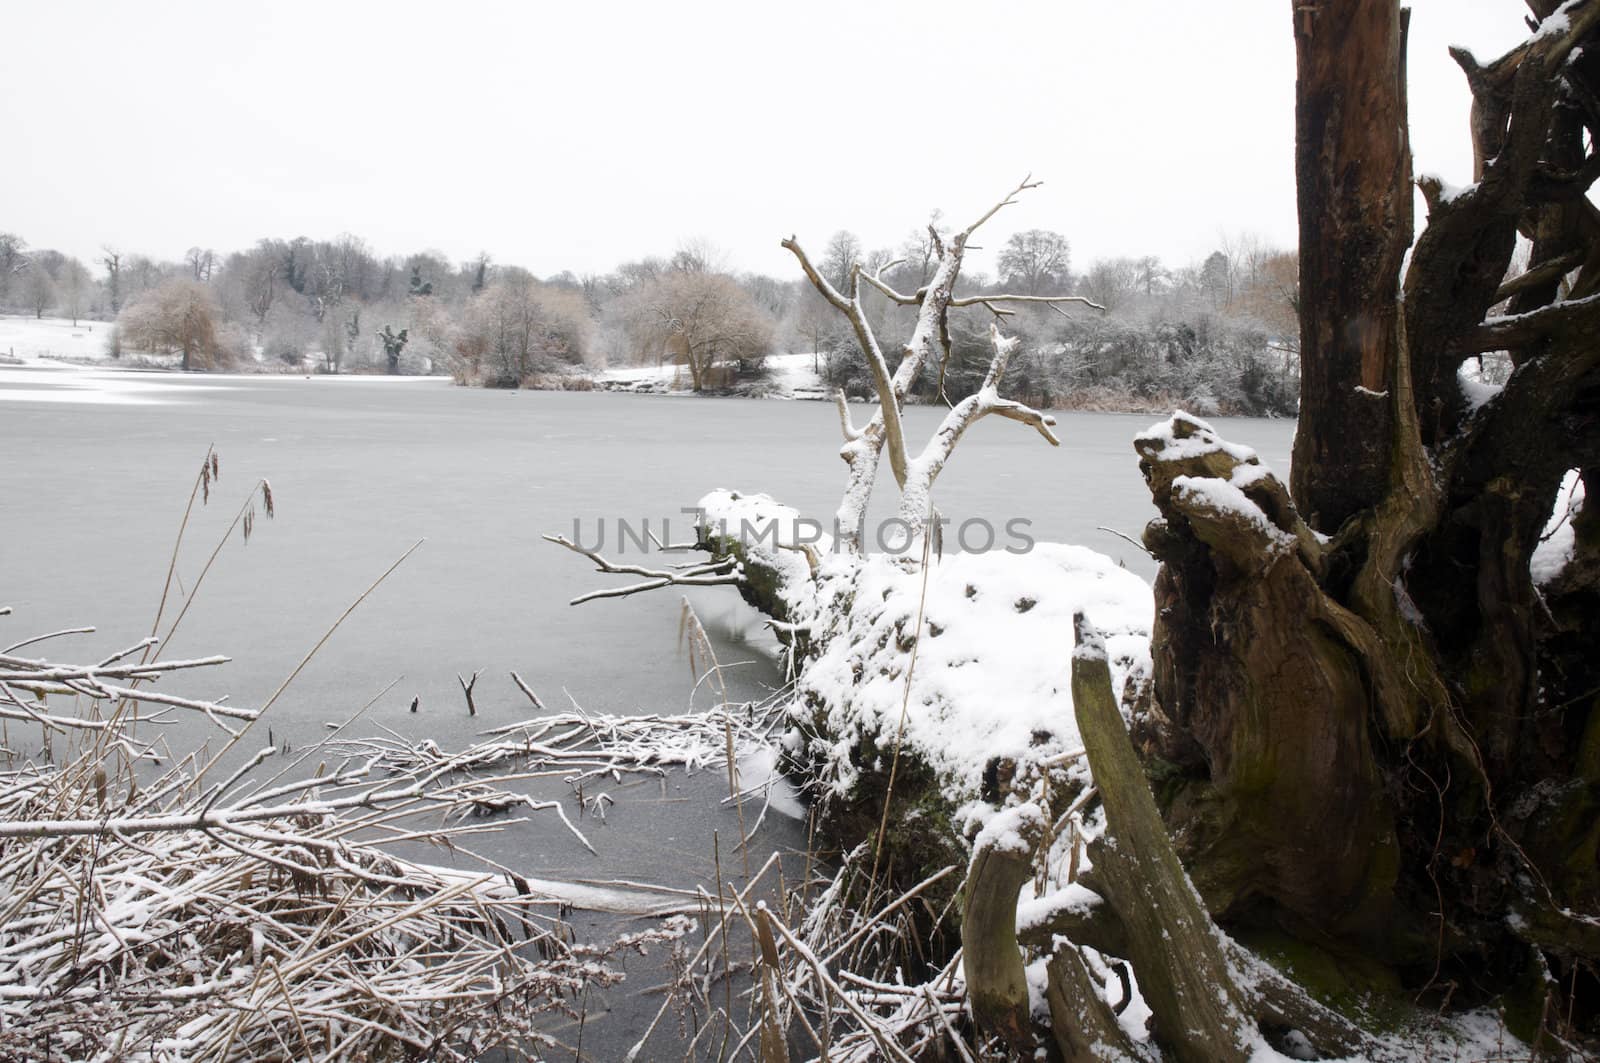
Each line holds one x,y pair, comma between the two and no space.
721,572
888,417
928,345
1052,301
851,432
925,468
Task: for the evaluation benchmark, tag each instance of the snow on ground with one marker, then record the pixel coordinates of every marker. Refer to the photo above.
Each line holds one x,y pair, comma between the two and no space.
993,667
991,674
34,340
787,376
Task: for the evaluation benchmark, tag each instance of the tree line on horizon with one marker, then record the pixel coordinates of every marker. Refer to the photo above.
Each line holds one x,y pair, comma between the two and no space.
1216,335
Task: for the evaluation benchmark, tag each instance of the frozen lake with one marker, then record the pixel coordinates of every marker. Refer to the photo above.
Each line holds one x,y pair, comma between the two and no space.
95,469
96,476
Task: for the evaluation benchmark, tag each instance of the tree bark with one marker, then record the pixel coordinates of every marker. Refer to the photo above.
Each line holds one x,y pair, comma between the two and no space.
1271,713
1199,1011
997,985
1353,170
1384,741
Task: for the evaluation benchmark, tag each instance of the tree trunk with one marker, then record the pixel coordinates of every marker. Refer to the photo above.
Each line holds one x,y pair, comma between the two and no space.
1385,744
1353,163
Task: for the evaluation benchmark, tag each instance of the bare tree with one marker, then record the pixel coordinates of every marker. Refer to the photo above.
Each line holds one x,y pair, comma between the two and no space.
13,260
1111,281
263,269
1036,260
813,323
39,290
516,323
920,250
698,255
73,283
704,320
1150,275
111,259
201,261
179,316
840,257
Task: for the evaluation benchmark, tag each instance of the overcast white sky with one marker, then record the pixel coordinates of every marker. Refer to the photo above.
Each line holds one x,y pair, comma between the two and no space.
577,135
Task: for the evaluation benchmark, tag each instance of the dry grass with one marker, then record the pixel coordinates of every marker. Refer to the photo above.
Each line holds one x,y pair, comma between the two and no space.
156,908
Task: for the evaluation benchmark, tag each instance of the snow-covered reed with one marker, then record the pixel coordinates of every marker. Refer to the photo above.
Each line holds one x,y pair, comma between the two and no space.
182,907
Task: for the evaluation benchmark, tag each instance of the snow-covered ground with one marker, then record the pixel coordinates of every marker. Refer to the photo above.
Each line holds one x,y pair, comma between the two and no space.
34,340
788,376
51,360
989,678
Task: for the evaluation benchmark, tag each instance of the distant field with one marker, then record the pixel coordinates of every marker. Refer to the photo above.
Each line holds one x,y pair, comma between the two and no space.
32,339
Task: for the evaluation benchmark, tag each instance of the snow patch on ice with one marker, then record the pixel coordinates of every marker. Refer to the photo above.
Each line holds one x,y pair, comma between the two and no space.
38,383
758,771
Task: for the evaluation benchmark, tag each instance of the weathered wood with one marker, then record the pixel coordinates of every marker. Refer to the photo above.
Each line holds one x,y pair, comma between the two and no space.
997,984
1353,171
1207,992
1084,1029
1261,677
1374,741
1176,951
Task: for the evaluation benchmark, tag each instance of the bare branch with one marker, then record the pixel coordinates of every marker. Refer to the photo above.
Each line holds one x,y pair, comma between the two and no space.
1016,411
929,341
1011,197
1574,316
898,297
851,432
526,689
818,281
466,688
711,574
985,401
1051,300
1539,275
889,391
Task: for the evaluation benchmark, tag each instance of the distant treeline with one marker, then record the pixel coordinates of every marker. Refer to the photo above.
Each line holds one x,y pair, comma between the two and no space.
1215,336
